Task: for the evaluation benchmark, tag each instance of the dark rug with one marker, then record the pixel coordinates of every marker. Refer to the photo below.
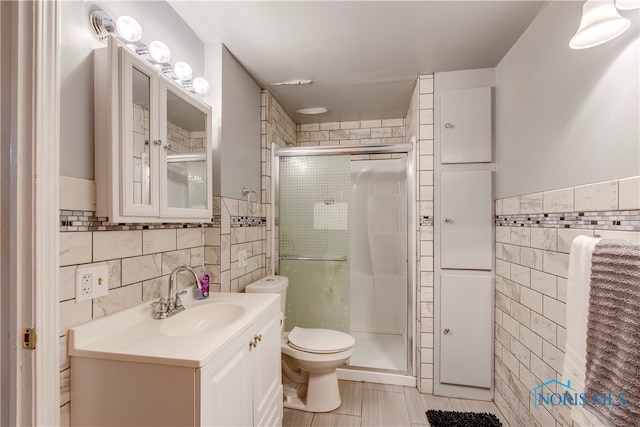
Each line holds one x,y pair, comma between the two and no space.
462,419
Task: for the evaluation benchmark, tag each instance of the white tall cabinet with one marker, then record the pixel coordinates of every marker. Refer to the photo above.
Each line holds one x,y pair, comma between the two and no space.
463,234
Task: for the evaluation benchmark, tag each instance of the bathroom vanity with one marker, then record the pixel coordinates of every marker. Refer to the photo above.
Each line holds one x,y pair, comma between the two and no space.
215,364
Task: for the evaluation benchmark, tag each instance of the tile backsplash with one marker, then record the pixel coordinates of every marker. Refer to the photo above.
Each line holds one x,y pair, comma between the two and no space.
534,233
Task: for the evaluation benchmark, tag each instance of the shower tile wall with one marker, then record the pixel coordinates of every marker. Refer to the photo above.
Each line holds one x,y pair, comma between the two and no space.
279,129
533,238
363,132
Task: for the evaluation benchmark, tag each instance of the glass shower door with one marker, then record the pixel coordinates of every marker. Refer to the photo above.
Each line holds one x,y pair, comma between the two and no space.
314,198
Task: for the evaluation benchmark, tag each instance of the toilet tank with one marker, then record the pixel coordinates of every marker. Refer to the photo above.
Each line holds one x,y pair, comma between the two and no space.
271,285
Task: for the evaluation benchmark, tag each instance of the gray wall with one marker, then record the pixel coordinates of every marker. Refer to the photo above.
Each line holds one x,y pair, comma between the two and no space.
566,117
158,21
235,99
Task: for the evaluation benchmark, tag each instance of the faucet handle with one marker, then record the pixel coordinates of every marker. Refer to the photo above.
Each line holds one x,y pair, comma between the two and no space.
161,308
177,302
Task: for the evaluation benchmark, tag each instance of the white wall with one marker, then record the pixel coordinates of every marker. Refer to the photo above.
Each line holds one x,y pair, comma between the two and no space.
566,117
158,21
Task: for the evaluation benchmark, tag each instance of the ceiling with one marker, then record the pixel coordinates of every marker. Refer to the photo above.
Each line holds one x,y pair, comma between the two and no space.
362,56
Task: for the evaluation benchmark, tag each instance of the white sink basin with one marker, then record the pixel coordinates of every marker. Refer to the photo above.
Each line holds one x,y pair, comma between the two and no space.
190,338
196,320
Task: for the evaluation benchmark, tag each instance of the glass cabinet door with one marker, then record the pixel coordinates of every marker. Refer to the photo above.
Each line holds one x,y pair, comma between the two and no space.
186,176
139,138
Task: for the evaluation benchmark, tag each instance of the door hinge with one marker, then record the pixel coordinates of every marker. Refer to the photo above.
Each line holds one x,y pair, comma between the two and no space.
29,338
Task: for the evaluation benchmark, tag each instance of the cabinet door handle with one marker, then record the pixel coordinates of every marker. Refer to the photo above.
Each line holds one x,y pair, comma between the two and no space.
446,331
257,338
167,147
157,141
448,220
252,344
448,125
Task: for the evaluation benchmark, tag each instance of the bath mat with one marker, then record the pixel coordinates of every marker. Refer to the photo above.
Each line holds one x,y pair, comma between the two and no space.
462,419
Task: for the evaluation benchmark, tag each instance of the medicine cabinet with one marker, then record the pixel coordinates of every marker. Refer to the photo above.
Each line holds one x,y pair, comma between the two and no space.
152,143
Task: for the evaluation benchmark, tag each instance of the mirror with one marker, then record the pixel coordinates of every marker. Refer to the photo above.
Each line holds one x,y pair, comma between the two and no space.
186,155
141,144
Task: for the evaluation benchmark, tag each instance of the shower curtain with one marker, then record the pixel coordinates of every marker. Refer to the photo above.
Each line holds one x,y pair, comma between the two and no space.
386,224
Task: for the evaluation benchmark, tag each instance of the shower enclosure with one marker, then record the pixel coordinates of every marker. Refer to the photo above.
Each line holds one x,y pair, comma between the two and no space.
344,239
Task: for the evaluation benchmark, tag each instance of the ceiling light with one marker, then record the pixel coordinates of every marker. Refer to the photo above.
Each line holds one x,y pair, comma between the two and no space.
600,23
293,83
200,85
128,29
312,110
628,4
159,52
182,71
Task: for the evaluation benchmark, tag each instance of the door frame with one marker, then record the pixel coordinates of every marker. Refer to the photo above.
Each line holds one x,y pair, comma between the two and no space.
29,169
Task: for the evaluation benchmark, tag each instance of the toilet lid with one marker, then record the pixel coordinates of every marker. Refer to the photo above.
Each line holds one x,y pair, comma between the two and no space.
320,340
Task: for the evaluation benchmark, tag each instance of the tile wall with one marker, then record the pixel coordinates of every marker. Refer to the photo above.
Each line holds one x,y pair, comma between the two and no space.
278,128
533,238
140,260
420,123
362,132
240,226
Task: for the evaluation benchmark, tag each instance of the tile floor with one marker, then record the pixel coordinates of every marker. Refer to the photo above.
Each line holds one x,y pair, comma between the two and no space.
368,405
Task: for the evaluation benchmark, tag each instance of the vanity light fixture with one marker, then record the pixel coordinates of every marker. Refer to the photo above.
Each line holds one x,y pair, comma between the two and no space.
128,30
600,23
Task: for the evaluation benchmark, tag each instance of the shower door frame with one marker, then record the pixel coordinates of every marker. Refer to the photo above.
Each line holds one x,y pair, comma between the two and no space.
404,148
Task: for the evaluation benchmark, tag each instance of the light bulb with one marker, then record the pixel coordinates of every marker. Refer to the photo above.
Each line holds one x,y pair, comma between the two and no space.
128,29
200,85
159,52
628,4
182,70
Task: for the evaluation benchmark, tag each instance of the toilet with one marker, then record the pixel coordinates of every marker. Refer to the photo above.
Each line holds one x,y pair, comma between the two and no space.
310,357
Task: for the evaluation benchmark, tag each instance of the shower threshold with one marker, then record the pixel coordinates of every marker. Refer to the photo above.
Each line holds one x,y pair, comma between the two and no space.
379,358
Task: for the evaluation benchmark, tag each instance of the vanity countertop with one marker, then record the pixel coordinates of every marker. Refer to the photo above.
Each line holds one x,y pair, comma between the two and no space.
181,340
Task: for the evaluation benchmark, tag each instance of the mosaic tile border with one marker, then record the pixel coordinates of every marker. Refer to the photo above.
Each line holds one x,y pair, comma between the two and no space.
88,221
628,220
248,221
426,221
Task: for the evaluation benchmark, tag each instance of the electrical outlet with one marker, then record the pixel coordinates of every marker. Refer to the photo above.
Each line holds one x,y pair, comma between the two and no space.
242,258
86,284
92,281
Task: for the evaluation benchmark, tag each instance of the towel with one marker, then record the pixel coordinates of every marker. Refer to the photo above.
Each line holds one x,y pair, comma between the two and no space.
578,286
613,332
578,282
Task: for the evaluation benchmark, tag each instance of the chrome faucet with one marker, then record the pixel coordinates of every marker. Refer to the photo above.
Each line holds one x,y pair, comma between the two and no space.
173,304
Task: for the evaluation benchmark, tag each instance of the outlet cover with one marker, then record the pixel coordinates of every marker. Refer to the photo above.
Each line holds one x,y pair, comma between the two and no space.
242,258
92,281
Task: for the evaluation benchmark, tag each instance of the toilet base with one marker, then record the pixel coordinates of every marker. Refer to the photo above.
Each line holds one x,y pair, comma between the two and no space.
322,394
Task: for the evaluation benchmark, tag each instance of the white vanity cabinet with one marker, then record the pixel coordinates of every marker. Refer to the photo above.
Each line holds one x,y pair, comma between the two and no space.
143,381
242,386
152,143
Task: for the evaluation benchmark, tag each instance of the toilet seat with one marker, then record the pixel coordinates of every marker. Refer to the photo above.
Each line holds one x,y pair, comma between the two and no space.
319,340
